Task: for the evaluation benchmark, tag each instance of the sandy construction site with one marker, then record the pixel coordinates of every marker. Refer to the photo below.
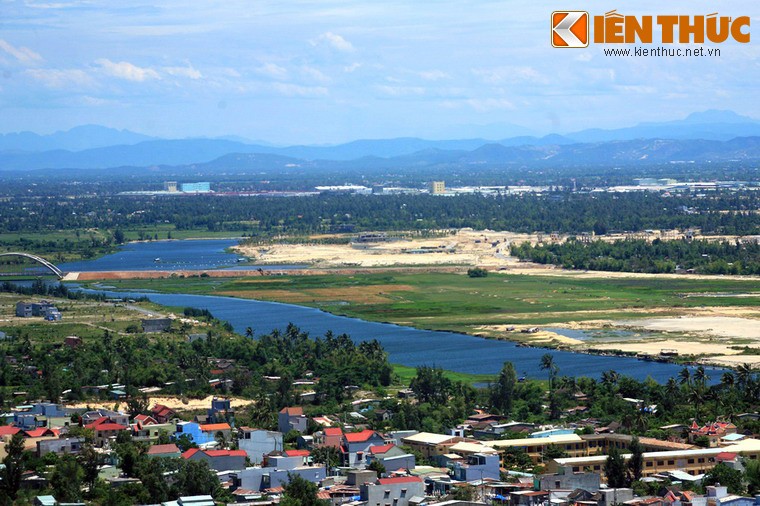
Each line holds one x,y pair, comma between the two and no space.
465,247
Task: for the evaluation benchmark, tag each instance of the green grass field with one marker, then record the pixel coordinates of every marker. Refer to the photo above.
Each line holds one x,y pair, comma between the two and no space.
459,303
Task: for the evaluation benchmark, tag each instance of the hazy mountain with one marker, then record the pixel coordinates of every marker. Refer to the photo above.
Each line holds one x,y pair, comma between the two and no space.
77,139
709,125
119,148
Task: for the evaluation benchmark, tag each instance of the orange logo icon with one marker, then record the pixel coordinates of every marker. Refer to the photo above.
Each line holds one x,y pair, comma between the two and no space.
569,28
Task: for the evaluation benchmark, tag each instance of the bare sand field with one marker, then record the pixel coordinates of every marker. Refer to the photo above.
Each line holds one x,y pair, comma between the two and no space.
176,403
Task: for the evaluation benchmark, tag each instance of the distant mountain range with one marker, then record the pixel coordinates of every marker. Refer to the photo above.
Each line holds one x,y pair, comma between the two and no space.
709,135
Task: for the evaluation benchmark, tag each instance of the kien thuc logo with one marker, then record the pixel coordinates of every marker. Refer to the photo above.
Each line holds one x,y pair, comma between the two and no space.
570,29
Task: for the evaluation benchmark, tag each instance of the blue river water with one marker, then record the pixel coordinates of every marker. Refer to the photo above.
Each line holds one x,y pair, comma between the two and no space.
197,254
405,345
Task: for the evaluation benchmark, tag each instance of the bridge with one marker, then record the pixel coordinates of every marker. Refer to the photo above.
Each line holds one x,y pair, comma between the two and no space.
51,267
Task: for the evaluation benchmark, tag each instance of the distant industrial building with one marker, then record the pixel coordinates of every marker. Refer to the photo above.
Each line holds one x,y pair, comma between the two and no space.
202,187
438,187
170,186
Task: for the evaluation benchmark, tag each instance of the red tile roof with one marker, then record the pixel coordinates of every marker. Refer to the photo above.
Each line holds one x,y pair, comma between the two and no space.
7,430
293,411
146,419
333,431
358,437
102,427
189,453
39,432
161,449
377,450
401,479
215,426
297,453
725,456
226,453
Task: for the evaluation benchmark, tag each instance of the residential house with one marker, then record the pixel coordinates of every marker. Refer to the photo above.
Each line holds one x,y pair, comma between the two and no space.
203,434
221,412
164,451
105,429
478,466
154,325
392,457
269,477
150,432
259,442
566,479
392,491
712,431
162,414
72,341
330,436
430,444
356,446
24,309
218,460
63,446
291,418
114,416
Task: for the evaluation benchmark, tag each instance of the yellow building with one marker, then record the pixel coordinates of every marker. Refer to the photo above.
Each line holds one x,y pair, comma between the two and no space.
697,461
437,187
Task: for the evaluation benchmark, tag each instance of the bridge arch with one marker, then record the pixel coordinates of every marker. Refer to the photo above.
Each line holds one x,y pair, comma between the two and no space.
50,266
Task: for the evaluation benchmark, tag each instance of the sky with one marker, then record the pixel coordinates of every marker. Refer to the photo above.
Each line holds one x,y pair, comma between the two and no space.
314,72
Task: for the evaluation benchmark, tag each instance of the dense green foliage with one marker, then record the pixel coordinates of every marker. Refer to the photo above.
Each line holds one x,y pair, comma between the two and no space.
704,257
139,361
724,212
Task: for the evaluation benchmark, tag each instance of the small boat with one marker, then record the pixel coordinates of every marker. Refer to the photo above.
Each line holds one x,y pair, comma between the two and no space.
157,259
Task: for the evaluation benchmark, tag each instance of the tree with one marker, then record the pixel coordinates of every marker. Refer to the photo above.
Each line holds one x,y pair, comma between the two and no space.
378,467
477,272
502,393
90,461
724,475
300,492
326,455
249,332
636,460
14,466
66,479
752,476
195,478
464,493
615,469
431,385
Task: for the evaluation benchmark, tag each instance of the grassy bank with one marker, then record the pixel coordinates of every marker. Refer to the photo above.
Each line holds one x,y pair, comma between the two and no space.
458,303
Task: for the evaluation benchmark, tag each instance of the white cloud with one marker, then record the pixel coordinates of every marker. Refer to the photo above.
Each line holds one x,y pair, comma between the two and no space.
127,71
315,74
22,54
400,91
335,41
295,90
189,72
501,75
352,67
585,56
433,75
489,104
60,78
273,70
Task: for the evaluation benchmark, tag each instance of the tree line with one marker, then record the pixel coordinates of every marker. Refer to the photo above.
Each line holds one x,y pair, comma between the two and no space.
700,256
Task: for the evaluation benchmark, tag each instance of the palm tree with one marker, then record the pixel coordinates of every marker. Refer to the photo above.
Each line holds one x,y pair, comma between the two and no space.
700,376
744,376
684,376
727,380
610,379
696,397
248,332
547,364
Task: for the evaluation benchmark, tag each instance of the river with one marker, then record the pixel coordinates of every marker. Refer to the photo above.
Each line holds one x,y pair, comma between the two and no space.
405,345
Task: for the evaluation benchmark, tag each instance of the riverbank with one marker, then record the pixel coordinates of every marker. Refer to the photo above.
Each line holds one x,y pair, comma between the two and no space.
487,307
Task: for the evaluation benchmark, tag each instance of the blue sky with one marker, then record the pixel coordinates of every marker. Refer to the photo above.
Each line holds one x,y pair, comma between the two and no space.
327,71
